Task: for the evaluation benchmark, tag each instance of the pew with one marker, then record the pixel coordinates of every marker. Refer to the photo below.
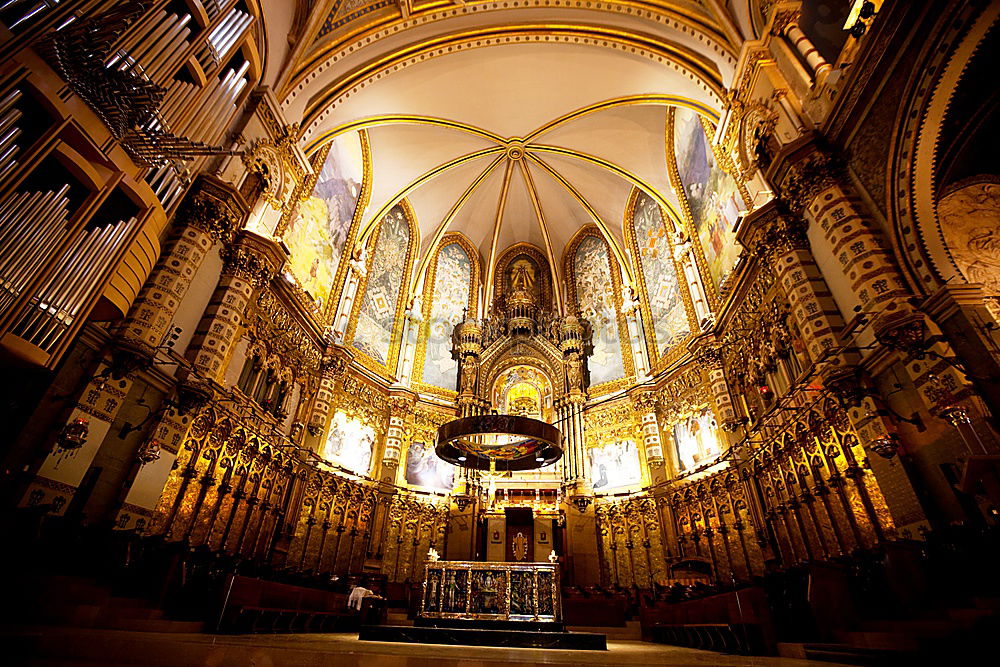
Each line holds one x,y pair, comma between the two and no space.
733,621
256,605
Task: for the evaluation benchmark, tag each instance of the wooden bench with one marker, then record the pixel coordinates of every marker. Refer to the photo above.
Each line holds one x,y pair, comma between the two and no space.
256,605
741,638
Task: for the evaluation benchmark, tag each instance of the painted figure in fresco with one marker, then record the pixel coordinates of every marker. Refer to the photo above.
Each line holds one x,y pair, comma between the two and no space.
522,276
696,440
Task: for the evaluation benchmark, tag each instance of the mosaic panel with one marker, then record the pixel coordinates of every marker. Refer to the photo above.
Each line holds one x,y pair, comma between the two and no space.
614,465
424,468
666,305
596,300
317,236
453,279
696,440
349,444
712,195
377,315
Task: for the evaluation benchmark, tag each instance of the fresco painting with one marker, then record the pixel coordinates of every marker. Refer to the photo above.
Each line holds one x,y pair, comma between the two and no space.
596,300
712,195
317,236
386,268
452,282
349,444
615,465
696,440
666,304
425,469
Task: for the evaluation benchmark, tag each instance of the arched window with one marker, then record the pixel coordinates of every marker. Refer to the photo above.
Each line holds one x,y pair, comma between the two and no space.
710,195
662,299
596,294
376,314
449,292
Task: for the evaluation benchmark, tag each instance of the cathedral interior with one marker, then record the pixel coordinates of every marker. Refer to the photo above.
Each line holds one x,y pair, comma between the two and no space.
376,332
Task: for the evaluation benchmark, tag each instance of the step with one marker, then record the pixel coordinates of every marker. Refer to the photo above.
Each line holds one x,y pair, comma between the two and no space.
892,641
856,655
922,628
155,625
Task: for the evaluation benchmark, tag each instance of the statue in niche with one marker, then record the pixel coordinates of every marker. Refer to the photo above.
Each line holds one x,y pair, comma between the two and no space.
469,369
574,371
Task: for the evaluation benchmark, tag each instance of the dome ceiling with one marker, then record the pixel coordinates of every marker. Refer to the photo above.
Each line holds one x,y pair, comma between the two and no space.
526,130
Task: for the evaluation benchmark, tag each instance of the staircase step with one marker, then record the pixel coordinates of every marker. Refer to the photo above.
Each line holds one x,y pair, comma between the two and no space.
892,641
156,625
855,655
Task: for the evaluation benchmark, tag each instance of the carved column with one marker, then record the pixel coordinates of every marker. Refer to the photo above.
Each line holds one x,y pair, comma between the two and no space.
397,436
645,403
335,363
250,263
211,215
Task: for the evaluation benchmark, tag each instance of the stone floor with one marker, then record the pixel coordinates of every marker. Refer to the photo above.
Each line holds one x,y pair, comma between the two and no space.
48,647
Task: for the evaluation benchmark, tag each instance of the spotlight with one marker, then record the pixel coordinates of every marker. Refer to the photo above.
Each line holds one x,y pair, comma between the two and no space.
867,10
461,458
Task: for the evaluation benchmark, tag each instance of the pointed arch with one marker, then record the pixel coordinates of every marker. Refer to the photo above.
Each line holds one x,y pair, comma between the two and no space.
448,293
594,286
376,324
664,301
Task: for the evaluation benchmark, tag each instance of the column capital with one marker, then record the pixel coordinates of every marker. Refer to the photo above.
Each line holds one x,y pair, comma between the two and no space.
253,257
771,230
215,207
802,171
336,361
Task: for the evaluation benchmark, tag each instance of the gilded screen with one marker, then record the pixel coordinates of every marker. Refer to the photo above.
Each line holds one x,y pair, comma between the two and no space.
452,282
614,465
596,300
386,270
317,236
349,444
712,195
666,306
696,439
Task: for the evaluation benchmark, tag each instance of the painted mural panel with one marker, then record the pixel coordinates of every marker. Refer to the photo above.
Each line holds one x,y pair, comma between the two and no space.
596,300
317,236
424,468
666,305
349,444
452,281
373,334
614,465
712,194
696,440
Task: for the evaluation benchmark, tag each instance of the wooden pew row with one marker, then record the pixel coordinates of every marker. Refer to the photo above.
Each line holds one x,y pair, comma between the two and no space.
723,619
255,605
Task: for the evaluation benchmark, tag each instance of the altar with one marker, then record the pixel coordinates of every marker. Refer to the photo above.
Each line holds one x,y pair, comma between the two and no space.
491,591
489,604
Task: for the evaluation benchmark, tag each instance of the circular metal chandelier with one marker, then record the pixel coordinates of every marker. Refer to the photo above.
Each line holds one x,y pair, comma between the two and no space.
499,442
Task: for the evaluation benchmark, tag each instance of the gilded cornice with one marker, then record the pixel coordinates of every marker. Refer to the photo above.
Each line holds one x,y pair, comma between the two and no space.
666,15
686,63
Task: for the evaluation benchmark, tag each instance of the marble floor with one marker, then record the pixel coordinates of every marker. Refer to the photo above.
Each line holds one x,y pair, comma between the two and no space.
49,647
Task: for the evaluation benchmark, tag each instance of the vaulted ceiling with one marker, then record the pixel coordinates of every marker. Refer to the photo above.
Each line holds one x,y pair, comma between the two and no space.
508,121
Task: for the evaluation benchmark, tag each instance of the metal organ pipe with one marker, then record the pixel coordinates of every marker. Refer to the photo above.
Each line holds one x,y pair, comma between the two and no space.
43,225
